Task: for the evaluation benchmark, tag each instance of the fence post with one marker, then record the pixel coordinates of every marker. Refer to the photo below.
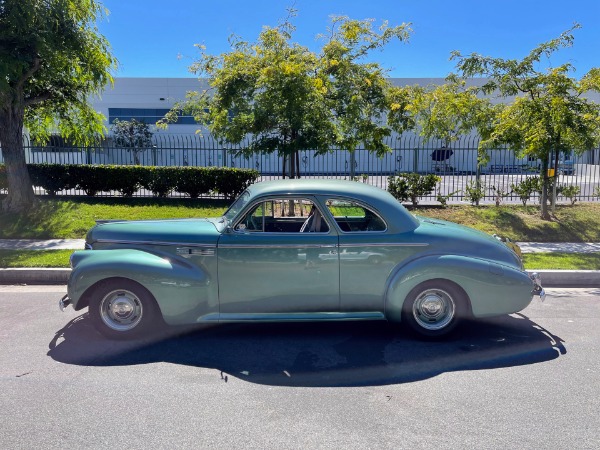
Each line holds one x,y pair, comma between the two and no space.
416,161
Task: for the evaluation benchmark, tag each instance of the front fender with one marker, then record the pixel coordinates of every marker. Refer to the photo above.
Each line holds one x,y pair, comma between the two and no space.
493,289
180,288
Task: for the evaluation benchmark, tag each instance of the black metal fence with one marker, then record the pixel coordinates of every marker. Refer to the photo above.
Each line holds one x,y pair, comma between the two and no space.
457,165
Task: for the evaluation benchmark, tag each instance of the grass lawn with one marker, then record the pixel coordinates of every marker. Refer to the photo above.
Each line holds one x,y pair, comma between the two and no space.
34,258
69,217
578,223
60,258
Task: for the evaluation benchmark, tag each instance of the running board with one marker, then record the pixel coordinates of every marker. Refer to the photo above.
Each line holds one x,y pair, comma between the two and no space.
292,317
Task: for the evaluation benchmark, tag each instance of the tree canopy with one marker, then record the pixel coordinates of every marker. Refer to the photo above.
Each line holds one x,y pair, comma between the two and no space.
548,112
52,58
133,135
449,111
275,95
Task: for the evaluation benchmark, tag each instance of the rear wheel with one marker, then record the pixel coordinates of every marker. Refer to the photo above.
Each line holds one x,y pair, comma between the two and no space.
123,309
434,308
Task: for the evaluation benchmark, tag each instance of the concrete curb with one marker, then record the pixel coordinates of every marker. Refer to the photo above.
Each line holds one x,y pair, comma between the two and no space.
550,278
34,276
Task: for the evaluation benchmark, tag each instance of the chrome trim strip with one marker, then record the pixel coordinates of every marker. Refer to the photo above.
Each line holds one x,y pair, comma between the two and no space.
384,244
293,317
186,252
185,244
277,245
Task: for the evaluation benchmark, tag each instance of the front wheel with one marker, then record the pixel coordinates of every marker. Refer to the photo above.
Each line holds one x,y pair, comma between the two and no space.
122,309
434,308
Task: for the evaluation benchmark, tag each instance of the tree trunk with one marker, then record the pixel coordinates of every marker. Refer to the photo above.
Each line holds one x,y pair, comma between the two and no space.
292,166
20,192
283,173
544,200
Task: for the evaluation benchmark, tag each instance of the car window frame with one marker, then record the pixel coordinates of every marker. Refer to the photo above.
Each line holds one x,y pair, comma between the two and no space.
253,204
361,204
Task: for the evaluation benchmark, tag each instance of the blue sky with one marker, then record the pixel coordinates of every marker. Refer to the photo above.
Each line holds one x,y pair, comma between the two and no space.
154,38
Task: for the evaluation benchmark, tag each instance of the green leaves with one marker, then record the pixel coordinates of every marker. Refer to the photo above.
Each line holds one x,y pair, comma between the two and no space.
448,111
548,115
51,60
278,96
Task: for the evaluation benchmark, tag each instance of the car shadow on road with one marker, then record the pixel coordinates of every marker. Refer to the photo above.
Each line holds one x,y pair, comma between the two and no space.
318,354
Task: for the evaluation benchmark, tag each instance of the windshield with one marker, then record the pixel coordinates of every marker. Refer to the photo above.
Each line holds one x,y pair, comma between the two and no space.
237,206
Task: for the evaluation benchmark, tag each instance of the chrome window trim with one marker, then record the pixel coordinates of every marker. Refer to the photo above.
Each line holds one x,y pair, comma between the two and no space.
362,204
251,206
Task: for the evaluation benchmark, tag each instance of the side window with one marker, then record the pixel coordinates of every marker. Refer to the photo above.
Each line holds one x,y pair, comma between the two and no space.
283,215
353,217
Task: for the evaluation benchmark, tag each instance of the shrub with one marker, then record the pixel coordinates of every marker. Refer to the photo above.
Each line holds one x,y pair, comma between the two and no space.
51,177
571,192
232,182
90,179
160,180
412,186
124,179
443,199
525,188
196,181
475,191
499,194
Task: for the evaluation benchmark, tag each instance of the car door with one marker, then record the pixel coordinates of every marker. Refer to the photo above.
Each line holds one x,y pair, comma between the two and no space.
367,255
279,258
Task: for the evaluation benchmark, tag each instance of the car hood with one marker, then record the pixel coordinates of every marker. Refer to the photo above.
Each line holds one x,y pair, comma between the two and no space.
449,237
177,231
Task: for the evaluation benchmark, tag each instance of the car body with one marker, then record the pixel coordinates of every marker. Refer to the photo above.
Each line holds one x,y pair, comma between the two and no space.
296,250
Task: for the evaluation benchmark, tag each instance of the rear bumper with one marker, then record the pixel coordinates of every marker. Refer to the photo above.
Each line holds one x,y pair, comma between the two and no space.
64,302
537,286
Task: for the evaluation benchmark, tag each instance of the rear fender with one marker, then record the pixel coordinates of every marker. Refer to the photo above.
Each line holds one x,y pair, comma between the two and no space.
491,288
179,288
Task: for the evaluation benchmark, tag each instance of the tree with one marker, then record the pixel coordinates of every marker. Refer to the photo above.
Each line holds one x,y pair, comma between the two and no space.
278,96
549,113
51,59
133,135
448,111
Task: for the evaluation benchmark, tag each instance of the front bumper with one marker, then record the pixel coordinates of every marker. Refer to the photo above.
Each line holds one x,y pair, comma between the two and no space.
537,286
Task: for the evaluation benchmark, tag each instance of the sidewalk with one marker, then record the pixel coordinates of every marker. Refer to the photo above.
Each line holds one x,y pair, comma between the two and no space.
550,278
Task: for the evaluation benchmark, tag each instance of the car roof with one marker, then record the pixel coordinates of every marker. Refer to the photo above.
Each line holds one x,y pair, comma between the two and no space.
398,218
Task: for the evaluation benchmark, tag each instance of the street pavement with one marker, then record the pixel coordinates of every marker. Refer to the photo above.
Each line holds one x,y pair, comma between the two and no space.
526,381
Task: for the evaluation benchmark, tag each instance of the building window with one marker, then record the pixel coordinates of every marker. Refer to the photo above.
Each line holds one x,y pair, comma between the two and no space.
145,115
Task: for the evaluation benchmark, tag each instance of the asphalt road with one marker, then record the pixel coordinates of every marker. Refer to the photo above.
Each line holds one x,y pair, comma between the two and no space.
529,380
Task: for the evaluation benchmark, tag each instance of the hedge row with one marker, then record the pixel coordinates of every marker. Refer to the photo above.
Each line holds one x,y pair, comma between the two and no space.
161,181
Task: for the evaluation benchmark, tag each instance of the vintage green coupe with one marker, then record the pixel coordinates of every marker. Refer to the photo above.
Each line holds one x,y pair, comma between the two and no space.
296,250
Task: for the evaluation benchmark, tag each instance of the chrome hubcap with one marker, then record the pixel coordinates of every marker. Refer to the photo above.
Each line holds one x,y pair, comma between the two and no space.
434,309
121,310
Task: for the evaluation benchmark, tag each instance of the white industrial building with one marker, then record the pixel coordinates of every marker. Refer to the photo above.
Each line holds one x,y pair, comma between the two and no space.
148,99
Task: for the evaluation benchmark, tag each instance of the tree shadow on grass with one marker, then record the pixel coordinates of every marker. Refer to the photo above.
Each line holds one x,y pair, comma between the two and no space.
318,354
